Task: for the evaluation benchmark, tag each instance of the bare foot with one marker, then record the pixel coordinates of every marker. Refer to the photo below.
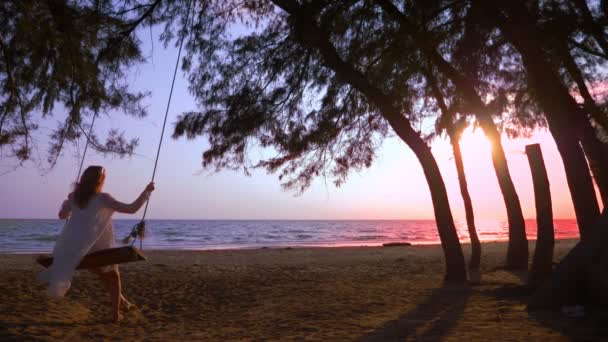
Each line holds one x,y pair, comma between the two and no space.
126,305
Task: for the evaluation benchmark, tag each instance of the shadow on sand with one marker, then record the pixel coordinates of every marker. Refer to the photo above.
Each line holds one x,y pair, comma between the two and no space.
592,327
434,317
40,327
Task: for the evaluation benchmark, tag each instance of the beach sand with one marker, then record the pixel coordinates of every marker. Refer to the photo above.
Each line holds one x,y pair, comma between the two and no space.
323,294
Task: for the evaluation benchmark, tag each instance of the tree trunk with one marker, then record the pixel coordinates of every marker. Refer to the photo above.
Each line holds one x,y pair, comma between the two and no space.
455,265
545,240
595,150
517,250
597,156
468,206
569,283
577,175
555,100
455,133
575,72
311,36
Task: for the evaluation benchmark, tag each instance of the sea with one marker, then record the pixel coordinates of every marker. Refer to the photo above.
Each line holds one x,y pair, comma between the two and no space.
38,235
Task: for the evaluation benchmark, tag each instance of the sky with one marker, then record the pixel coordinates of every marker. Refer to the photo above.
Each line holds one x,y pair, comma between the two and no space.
393,188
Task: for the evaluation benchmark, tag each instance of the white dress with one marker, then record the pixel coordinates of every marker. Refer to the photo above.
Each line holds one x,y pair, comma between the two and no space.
87,230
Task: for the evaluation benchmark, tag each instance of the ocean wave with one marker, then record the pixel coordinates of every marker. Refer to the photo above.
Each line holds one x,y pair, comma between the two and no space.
49,238
368,237
366,230
175,234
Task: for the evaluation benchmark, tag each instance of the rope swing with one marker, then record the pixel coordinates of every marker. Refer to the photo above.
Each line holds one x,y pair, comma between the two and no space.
126,253
139,229
86,147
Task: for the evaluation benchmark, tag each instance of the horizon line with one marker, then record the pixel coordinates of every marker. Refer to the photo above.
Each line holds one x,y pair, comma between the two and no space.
284,219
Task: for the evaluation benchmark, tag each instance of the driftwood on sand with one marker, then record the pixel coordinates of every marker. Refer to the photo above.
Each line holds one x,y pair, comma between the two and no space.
396,244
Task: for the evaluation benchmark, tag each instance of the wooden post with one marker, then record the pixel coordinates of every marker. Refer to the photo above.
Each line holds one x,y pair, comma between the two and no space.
543,254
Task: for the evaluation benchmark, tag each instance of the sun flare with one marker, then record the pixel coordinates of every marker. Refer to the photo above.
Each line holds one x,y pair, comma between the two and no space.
474,146
474,141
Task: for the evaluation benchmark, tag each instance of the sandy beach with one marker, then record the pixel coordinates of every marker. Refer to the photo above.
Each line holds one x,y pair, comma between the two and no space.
321,294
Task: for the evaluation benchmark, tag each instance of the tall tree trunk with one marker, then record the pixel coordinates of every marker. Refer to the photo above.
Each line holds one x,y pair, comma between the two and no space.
577,175
468,205
559,107
455,268
517,250
311,36
595,150
597,156
517,253
542,262
454,131
569,284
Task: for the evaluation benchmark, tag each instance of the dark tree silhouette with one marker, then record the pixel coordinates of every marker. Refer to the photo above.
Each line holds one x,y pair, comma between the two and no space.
464,85
522,26
70,55
560,108
319,84
558,31
260,93
542,262
314,83
453,127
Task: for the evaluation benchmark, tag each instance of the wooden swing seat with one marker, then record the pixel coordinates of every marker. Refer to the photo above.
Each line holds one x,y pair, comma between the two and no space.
104,257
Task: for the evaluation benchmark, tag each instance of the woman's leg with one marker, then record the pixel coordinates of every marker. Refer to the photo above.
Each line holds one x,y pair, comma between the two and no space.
124,303
112,283
114,287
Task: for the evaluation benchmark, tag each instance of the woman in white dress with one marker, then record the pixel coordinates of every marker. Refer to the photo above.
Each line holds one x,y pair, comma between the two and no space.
89,228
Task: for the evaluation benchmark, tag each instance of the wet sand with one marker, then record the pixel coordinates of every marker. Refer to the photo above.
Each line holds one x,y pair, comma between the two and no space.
322,294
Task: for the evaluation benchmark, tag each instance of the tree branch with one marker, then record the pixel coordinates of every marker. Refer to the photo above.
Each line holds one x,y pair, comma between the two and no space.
576,74
311,35
15,94
463,85
594,28
125,33
588,50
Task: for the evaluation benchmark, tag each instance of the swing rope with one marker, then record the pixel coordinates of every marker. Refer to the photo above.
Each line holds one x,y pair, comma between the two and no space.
84,154
86,146
138,229
126,254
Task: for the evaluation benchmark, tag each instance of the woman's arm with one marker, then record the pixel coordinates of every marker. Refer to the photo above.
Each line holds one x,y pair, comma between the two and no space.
130,208
66,208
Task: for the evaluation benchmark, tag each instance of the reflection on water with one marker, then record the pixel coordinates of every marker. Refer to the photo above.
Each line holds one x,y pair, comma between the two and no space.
39,235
